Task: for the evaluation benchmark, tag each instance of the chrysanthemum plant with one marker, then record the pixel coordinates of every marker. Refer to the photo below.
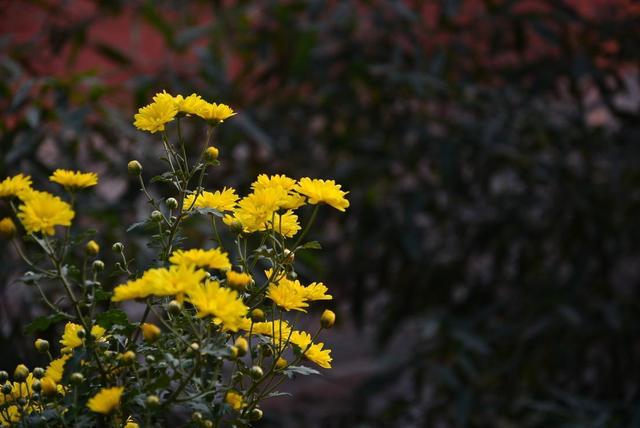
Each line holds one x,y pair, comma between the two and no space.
220,329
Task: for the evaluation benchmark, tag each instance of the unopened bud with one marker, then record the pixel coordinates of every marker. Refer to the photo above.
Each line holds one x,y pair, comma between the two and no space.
150,332
256,372
134,167
4,376
153,401
174,307
196,416
242,345
98,265
257,315
7,388
76,378
194,347
171,203
36,385
41,345
255,414
289,256
156,216
7,228
20,373
38,372
233,350
117,247
327,319
211,154
129,357
92,248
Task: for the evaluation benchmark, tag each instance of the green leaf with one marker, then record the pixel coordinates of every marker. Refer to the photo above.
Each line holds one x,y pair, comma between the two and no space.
291,371
42,323
312,245
138,225
111,317
205,211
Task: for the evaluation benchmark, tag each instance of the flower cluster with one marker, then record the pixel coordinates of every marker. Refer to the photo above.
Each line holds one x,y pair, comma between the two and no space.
220,329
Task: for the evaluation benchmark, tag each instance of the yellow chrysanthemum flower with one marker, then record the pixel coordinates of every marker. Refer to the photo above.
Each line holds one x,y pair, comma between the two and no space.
212,259
74,179
12,186
131,423
42,211
55,370
71,340
189,105
282,184
156,115
257,208
221,303
215,112
107,400
312,352
287,294
238,280
285,224
174,281
7,228
235,400
323,191
316,291
134,289
224,200
275,329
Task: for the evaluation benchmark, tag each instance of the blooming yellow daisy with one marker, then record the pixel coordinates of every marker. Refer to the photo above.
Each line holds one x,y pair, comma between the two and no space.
221,200
42,211
74,179
285,224
174,281
55,370
156,115
287,294
212,259
323,191
221,303
12,186
134,289
215,112
316,291
189,105
238,280
70,338
255,209
105,401
312,352
284,186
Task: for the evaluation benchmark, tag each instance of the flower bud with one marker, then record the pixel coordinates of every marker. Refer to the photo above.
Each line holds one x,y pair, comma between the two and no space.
196,416
233,350
36,385
292,276
92,248
48,386
134,167
150,359
327,319
129,357
38,372
98,265
256,372
150,332
207,424
20,373
281,363
236,227
117,247
171,203
21,401
238,280
156,216
255,414
153,401
211,154
194,347
289,256
41,345
7,228
4,376
174,307
242,345
76,378
7,388
257,315
81,333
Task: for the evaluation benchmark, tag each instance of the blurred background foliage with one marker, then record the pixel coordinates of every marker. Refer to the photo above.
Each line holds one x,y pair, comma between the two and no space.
491,255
